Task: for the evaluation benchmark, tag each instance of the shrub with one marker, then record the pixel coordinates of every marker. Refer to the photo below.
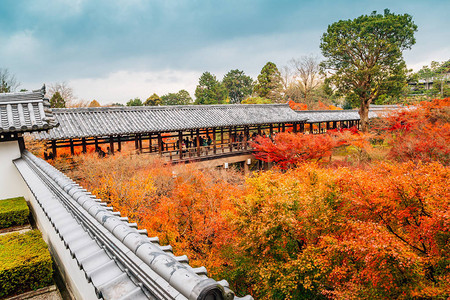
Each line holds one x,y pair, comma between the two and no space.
13,211
25,263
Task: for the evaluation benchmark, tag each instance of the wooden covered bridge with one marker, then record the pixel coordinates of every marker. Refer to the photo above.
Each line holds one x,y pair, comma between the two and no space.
184,133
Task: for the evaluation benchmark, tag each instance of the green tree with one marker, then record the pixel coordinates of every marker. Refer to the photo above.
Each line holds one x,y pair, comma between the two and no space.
180,98
238,85
153,100
57,101
134,102
8,82
270,84
209,90
364,56
256,100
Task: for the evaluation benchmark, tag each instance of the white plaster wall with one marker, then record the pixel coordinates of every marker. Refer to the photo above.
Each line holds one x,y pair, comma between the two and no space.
11,183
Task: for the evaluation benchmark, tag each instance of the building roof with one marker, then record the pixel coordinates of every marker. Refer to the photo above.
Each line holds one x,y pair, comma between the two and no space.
105,121
25,112
316,116
121,261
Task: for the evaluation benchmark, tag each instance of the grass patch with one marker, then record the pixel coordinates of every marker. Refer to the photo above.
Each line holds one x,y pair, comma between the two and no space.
13,211
25,263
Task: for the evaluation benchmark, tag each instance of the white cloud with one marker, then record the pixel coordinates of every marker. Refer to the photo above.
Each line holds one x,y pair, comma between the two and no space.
124,85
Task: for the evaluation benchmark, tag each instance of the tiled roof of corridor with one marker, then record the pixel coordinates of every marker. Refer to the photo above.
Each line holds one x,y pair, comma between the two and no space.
25,112
315,116
104,121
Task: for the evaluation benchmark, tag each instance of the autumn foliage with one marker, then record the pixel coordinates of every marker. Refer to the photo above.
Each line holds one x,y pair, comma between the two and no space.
370,229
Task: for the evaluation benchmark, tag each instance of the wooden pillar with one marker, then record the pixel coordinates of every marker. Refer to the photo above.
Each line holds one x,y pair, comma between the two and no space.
72,150
221,135
320,128
140,142
230,138
198,141
294,127
111,144
259,129
271,130
283,127
150,142
328,125
180,143
214,140
160,144
245,138
311,130
119,143
83,143
96,143
54,148
136,142
302,127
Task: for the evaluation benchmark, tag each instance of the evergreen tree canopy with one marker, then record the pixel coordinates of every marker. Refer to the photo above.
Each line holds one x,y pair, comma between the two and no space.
209,90
180,98
57,101
364,56
238,85
153,100
269,83
134,102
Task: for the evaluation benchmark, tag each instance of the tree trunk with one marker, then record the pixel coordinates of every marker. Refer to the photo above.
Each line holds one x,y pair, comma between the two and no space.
364,115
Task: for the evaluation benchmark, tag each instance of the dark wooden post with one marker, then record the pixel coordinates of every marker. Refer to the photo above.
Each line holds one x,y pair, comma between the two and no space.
72,150
180,143
294,127
311,130
111,144
140,142
302,127
214,140
230,139
320,128
271,130
160,145
136,142
150,142
54,148
259,129
245,138
198,141
283,127
221,136
83,144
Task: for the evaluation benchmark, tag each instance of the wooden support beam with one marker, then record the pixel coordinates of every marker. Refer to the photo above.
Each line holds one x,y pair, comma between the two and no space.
259,129
150,142
111,144
72,150
283,127
160,143
221,135
140,142
311,130
214,140
83,142
320,128
136,142
54,148
180,144
198,141
230,138
119,144
271,130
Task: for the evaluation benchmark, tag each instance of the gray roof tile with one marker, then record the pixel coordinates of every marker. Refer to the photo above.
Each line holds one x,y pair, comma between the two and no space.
25,112
104,121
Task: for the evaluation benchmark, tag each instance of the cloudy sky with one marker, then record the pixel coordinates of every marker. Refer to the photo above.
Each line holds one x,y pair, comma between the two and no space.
114,50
